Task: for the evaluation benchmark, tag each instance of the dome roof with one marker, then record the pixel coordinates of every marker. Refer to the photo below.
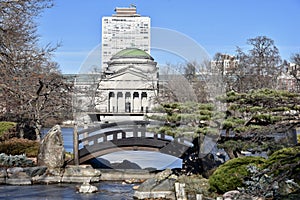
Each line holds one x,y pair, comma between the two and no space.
132,53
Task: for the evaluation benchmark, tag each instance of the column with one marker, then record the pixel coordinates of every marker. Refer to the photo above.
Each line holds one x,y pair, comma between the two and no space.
128,102
136,102
120,102
144,104
132,102
112,102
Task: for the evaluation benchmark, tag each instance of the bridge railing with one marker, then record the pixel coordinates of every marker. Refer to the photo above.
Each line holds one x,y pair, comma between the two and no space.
119,124
119,134
114,132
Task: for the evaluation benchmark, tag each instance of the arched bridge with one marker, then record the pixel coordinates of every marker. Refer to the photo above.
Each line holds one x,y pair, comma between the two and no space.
127,135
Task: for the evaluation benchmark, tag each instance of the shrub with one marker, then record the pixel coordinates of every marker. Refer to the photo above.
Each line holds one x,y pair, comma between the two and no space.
231,174
15,161
5,127
17,146
258,184
285,162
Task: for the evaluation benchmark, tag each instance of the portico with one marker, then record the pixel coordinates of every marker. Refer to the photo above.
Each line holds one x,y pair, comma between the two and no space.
128,102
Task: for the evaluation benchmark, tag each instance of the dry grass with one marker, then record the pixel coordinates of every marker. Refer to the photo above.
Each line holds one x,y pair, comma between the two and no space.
17,146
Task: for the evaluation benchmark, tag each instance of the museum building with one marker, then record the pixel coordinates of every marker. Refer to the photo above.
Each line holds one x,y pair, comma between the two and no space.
128,86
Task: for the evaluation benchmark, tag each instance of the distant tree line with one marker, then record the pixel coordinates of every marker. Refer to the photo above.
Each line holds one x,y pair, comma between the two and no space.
257,68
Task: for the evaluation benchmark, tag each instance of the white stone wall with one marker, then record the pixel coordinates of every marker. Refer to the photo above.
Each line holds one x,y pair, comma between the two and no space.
130,87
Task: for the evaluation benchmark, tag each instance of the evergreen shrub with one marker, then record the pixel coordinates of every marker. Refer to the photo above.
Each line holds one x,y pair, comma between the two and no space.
231,174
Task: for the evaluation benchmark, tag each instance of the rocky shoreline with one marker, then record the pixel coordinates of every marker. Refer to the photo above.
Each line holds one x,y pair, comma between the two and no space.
70,174
155,185
44,175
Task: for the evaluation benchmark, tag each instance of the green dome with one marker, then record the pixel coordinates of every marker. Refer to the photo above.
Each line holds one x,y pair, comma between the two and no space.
132,53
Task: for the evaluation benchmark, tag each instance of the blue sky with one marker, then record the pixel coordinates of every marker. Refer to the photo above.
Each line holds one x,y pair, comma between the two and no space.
216,25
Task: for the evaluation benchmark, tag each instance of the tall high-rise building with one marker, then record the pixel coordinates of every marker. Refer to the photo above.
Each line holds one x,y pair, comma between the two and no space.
125,29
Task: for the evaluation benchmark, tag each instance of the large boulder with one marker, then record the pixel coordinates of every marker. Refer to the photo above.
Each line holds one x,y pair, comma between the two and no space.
35,171
52,152
81,173
17,176
161,186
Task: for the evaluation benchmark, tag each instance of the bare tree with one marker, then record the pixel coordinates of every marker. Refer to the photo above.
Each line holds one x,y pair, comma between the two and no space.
295,71
31,86
259,67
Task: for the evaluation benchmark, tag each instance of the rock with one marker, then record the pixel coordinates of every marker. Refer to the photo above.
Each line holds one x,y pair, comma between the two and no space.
35,171
14,170
231,194
70,174
55,172
52,152
75,174
209,162
100,163
165,185
46,179
149,189
86,187
135,187
134,180
161,186
41,174
163,175
148,185
235,194
173,176
125,174
3,175
18,178
81,170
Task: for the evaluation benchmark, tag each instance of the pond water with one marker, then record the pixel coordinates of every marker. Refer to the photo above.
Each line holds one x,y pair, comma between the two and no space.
107,191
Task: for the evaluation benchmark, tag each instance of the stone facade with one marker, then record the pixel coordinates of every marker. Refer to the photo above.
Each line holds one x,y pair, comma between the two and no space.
128,85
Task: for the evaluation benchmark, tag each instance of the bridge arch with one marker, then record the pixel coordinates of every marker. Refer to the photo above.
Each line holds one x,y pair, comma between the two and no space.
127,135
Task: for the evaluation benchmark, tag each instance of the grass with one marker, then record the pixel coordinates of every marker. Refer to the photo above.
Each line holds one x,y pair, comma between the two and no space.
5,127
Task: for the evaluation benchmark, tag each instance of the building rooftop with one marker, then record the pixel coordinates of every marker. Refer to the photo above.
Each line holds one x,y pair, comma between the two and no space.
126,12
132,53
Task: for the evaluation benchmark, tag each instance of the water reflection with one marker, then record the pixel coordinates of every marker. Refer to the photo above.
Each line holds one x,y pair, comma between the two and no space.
107,191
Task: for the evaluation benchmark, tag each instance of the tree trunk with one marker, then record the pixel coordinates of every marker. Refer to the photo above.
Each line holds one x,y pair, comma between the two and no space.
230,154
21,130
200,143
37,130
